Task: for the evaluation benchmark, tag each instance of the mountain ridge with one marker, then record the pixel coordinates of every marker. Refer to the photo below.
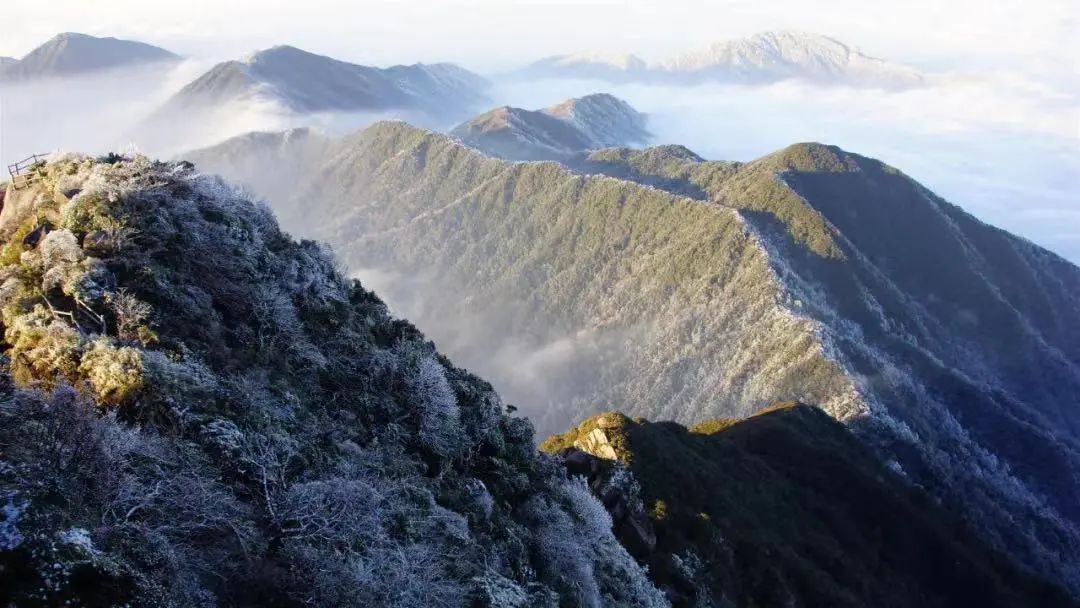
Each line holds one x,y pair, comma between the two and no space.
306,82
764,57
722,287
557,132
71,53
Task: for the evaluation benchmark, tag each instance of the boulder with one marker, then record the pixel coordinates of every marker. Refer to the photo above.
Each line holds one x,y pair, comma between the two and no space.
597,443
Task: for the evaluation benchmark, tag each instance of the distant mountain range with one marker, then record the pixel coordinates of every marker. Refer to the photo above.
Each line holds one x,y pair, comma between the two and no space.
284,85
304,82
762,58
676,288
613,67
71,54
558,132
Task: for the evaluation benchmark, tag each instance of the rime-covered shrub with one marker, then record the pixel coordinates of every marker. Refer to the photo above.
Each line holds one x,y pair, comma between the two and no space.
101,514
440,420
578,547
42,350
115,374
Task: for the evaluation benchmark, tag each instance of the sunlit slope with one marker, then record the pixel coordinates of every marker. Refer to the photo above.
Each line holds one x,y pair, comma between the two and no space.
626,294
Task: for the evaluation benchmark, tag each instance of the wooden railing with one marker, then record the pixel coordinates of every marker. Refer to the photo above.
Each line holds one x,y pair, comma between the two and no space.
22,172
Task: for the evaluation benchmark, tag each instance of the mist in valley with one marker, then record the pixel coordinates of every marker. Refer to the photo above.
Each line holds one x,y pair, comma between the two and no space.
965,138
551,375
1003,147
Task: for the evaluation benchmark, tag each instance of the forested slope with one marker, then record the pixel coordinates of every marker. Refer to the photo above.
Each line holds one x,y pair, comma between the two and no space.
197,410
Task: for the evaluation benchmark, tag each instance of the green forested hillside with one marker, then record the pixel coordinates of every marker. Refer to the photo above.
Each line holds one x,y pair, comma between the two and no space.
628,294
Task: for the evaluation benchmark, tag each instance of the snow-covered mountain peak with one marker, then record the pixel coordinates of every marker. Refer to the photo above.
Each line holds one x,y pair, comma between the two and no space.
792,54
762,58
557,132
604,118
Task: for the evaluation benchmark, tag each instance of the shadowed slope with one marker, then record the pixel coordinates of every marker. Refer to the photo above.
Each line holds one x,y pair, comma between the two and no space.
788,508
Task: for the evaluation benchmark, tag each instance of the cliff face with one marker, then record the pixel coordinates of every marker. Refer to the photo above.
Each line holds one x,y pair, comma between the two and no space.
197,410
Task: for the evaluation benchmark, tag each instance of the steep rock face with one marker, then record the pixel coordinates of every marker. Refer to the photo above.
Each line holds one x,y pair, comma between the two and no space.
786,508
555,133
197,410
716,288
71,54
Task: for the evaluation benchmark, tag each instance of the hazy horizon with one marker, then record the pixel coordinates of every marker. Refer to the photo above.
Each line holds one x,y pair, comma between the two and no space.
489,35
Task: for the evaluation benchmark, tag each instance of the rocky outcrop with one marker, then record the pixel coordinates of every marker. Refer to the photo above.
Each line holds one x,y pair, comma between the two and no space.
597,441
